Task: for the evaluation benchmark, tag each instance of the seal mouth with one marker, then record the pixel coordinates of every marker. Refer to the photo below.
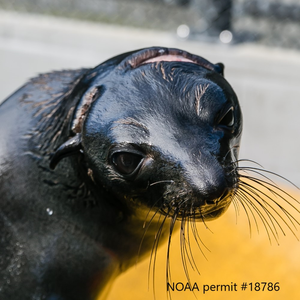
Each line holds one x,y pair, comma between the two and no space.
211,212
204,212
158,54
207,213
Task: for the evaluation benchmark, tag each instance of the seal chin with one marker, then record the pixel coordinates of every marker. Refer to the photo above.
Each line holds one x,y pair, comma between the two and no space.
190,208
211,212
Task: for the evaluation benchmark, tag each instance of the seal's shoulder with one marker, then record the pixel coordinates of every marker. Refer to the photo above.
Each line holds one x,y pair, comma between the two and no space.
43,106
54,84
45,85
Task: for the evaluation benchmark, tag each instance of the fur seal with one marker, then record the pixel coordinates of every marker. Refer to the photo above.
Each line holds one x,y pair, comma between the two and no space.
96,165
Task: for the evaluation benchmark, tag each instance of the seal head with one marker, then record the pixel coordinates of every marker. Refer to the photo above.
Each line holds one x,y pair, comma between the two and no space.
161,131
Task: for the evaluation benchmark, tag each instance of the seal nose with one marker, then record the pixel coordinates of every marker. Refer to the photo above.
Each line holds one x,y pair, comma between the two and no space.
210,181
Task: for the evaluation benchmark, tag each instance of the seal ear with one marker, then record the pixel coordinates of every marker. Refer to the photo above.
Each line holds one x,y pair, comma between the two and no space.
220,68
70,147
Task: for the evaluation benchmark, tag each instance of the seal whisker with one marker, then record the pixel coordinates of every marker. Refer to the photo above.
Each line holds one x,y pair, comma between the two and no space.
247,170
265,205
146,228
248,204
149,223
237,202
251,205
161,181
150,209
183,250
204,222
198,238
258,170
272,188
168,262
235,205
253,193
186,249
153,253
186,224
229,151
192,226
248,160
288,215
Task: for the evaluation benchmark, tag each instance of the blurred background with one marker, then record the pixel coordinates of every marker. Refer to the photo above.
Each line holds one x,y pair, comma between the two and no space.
259,43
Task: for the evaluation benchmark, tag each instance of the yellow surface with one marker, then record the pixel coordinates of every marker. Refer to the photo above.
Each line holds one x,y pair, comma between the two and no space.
234,258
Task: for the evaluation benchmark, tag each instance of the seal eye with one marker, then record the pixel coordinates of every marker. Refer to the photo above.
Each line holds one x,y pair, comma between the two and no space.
227,119
126,163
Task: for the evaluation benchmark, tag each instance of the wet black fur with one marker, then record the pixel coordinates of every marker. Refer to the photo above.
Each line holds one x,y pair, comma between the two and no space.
67,233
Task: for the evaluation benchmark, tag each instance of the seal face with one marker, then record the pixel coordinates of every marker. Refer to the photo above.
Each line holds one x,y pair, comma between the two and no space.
173,140
146,134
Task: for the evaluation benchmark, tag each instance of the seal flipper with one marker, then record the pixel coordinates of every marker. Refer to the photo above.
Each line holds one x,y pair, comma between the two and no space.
70,147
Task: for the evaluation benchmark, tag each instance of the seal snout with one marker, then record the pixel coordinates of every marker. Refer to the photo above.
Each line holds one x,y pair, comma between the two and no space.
205,202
